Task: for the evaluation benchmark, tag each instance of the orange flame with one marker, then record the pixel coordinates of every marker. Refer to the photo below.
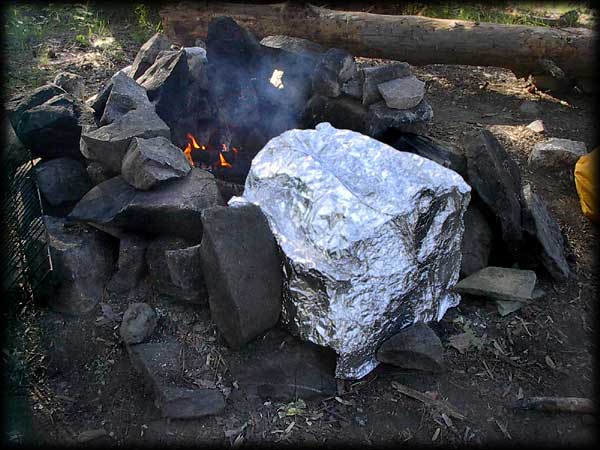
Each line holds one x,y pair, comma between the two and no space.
188,154
190,136
223,162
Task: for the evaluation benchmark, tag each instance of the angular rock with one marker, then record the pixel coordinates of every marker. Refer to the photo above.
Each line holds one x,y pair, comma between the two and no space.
544,231
70,82
495,177
197,62
62,181
139,322
384,117
477,242
333,69
125,95
244,287
150,162
414,347
98,173
108,144
499,283
282,368
325,82
228,43
174,266
82,261
15,153
402,93
429,147
353,87
147,54
556,153
537,126
172,209
356,212
19,104
131,265
341,112
159,364
293,44
374,76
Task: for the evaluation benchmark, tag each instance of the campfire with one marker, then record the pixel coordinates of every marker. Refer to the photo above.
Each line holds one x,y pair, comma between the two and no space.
208,157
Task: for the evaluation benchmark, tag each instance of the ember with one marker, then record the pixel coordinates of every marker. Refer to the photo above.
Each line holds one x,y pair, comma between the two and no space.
212,158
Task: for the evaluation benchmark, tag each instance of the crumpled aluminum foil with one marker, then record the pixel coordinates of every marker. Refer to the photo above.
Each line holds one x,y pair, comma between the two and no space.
370,235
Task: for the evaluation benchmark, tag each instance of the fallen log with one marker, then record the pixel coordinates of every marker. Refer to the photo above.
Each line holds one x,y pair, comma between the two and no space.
417,40
556,404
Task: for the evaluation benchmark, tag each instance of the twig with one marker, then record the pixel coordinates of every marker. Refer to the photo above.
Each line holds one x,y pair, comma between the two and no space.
439,404
556,404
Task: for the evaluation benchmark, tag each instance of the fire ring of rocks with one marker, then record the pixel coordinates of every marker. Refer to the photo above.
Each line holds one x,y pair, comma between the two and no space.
287,187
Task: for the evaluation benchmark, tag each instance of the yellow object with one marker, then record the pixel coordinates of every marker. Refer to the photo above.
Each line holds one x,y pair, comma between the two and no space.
585,183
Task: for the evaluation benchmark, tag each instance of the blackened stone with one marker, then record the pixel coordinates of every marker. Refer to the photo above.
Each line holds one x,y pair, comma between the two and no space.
98,173
341,112
150,162
325,82
477,242
244,287
283,368
15,154
139,322
544,231
374,76
414,347
172,209
294,45
384,117
228,43
147,54
125,95
228,189
62,181
495,177
108,144
167,258
19,104
159,364
82,262
428,147
131,265
334,68
70,82
353,87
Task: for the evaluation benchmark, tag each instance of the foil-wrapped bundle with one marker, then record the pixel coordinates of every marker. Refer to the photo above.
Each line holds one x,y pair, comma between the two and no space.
370,235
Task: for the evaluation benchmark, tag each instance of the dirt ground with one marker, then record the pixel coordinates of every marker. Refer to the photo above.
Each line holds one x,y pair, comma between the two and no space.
82,389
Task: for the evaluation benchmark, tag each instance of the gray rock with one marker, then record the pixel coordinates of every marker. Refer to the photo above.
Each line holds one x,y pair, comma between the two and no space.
175,268
159,364
108,144
131,265
150,162
530,108
495,177
293,44
147,54
282,368
353,87
197,62
98,173
374,76
62,181
333,69
499,283
19,104
383,117
415,347
506,307
477,242
125,95
402,93
15,153
543,229
72,83
246,273
556,153
82,261
172,209
439,151
139,322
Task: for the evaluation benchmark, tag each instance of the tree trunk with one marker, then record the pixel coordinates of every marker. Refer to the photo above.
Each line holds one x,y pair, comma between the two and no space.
416,40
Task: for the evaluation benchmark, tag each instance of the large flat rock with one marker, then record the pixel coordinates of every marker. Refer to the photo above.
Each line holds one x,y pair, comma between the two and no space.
499,283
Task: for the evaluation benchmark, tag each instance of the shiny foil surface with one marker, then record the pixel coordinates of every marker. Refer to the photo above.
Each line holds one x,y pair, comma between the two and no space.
370,235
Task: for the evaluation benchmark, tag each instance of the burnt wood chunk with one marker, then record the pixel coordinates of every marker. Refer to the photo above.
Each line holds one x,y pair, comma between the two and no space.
243,272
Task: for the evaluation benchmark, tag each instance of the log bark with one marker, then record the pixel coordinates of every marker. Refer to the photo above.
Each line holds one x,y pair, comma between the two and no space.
557,404
414,39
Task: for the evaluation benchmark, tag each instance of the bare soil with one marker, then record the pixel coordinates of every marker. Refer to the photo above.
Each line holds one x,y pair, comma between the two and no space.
82,388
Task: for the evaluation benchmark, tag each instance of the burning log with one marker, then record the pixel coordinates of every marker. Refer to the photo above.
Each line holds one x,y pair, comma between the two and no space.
416,40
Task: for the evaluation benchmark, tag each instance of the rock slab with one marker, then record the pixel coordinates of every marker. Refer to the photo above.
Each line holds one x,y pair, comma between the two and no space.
477,242
499,283
402,93
139,322
62,181
556,153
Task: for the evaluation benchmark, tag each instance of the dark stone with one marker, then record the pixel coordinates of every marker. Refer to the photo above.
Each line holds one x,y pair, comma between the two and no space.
197,63
495,177
19,104
341,112
108,144
139,322
445,154
70,82
353,87
62,182
131,265
98,173
15,154
477,242
82,262
172,209
246,275
499,283
543,232
414,347
229,190
384,117
283,368
147,54
333,69
375,75
228,43
150,162
174,266
159,364
294,45
125,95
